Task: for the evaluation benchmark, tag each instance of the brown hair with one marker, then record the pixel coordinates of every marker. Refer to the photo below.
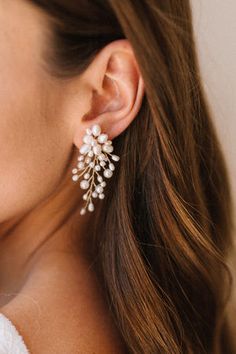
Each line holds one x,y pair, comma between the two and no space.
165,224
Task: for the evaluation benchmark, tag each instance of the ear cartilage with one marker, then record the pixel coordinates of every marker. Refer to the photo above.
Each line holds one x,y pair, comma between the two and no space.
95,162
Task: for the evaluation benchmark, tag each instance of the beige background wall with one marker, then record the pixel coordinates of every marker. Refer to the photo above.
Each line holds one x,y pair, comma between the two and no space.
215,32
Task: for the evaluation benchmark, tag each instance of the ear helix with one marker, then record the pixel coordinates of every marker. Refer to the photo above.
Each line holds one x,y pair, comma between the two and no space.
95,162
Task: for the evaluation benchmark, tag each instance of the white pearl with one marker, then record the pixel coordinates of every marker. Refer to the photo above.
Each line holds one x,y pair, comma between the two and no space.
85,196
108,142
107,173
87,175
75,170
101,196
103,184
101,157
115,157
107,148
102,163
88,159
90,153
89,131
88,139
82,211
92,164
96,129
80,165
80,158
94,194
97,168
99,189
91,207
111,166
102,138
97,149
100,179
75,178
84,149
84,184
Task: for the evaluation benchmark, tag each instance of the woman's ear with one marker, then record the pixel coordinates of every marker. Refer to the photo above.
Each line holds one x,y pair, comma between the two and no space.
115,89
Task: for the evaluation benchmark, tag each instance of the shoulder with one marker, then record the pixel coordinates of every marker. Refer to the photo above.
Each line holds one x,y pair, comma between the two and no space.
61,317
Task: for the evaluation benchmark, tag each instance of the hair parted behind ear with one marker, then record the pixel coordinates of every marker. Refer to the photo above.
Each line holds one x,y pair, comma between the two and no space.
165,225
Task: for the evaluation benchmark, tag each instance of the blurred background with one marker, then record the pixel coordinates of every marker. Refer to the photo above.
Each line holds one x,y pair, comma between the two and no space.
215,32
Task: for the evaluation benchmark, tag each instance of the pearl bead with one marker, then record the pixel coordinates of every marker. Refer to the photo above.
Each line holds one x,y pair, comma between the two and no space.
97,149
82,211
75,178
88,139
81,158
90,153
87,175
85,196
102,163
107,173
75,170
84,149
111,166
84,184
100,179
107,148
102,138
80,165
101,196
96,129
88,131
91,164
91,207
108,142
101,157
88,159
115,158
99,189
103,184
94,194
97,168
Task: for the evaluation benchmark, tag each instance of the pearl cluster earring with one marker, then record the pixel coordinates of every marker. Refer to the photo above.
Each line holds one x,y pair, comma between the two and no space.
95,158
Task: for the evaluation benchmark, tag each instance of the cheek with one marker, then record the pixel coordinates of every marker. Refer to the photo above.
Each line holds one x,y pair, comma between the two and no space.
33,144
32,148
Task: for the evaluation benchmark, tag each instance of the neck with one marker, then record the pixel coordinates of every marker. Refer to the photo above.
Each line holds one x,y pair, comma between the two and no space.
43,236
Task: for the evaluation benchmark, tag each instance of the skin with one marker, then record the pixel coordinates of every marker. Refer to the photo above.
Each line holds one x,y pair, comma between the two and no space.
53,298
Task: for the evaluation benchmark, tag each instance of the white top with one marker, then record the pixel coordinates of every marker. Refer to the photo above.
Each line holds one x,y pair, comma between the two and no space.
11,342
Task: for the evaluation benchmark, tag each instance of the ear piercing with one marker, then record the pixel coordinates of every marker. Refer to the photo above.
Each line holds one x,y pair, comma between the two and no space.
95,162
